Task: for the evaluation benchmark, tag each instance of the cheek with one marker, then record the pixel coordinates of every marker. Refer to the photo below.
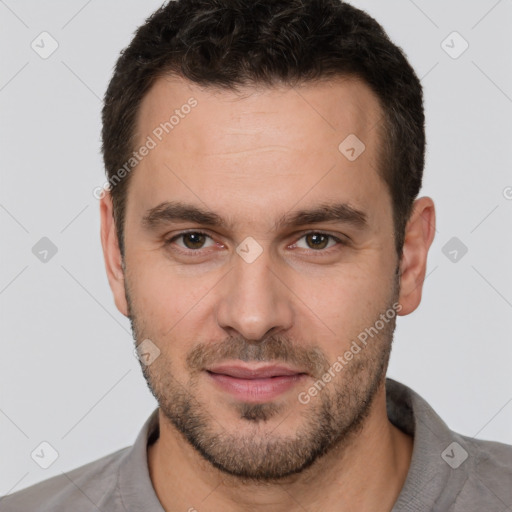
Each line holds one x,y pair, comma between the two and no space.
345,302
166,302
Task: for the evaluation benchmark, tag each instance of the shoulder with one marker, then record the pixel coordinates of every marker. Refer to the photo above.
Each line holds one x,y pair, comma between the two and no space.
489,471
449,471
491,455
84,488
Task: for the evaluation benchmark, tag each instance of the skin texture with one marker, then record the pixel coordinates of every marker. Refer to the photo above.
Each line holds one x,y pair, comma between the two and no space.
252,158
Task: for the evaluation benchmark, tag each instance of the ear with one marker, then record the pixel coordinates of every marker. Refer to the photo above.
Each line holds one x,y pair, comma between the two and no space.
112,253
419,234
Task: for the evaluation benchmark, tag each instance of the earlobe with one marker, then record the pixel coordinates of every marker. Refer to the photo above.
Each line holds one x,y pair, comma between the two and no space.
114,264
419,234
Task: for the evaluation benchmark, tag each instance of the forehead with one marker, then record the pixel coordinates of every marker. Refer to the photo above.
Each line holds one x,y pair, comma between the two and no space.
259,145
337,106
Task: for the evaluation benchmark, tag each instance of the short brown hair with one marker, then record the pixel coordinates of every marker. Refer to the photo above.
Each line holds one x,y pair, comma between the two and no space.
231,43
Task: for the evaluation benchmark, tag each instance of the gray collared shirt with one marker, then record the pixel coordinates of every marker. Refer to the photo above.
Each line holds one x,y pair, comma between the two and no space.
449,472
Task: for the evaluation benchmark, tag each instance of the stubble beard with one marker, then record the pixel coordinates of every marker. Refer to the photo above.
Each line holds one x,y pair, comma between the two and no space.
331,419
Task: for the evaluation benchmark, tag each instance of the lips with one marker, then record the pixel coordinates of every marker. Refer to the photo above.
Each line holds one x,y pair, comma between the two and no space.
244,372
255,384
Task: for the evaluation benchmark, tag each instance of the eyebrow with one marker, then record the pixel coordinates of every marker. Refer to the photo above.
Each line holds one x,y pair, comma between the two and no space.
176,211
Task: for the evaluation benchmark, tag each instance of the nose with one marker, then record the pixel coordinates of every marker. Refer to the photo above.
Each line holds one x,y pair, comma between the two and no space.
254,302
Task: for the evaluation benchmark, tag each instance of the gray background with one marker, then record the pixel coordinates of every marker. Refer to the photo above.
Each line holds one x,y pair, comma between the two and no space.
68,375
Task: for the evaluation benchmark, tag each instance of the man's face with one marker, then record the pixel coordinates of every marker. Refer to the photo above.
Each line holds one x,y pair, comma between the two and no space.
227,301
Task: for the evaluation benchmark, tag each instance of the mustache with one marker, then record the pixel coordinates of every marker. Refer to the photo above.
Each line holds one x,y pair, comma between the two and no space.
273,349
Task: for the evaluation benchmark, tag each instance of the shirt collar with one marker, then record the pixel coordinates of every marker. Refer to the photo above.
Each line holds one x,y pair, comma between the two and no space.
134,483
430,482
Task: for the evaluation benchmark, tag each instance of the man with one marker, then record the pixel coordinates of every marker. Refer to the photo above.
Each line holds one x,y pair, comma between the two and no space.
261,229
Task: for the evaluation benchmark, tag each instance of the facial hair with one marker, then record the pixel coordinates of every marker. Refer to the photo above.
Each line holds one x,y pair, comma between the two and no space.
329,420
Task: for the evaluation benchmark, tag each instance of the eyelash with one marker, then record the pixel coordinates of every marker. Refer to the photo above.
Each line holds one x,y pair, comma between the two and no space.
319,252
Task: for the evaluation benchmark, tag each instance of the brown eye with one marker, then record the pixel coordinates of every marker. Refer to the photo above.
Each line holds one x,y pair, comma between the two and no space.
193,240
317,240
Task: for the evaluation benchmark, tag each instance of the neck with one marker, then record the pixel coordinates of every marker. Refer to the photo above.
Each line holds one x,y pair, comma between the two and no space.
366,473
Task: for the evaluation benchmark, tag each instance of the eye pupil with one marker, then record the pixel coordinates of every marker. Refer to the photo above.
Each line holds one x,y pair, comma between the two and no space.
196,240
318,240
